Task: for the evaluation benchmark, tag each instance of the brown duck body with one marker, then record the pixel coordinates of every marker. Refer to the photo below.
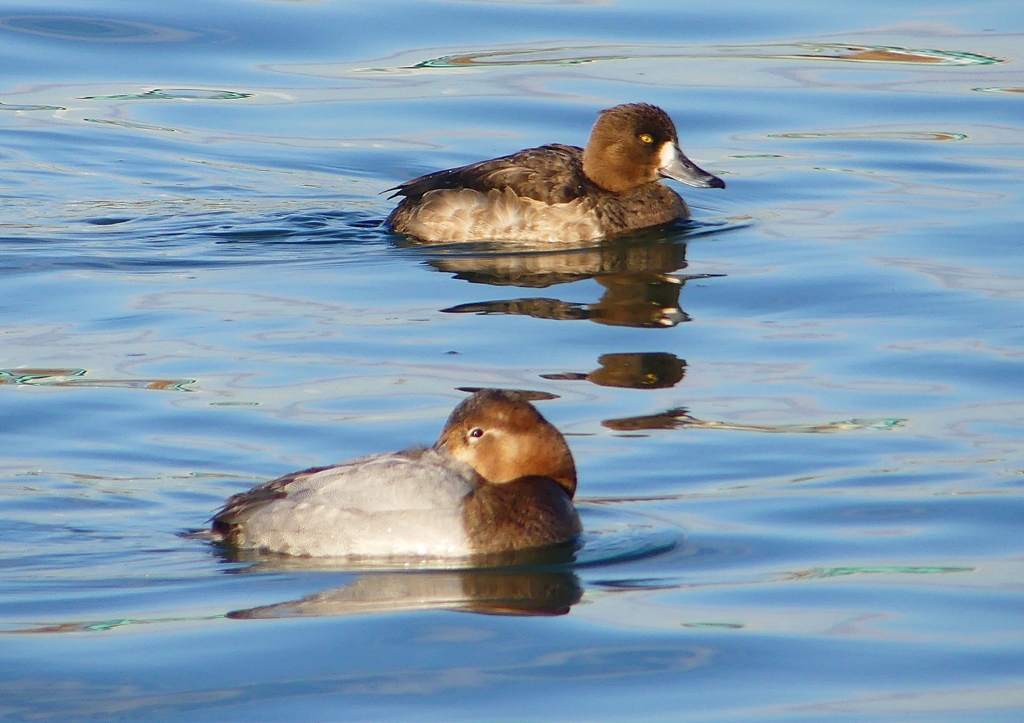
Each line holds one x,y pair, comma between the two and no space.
558,193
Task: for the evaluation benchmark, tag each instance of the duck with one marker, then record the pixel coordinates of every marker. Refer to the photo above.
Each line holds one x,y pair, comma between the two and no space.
559,193
499,479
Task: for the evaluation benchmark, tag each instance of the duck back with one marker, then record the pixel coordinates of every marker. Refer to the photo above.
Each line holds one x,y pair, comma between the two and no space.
550,174
402,504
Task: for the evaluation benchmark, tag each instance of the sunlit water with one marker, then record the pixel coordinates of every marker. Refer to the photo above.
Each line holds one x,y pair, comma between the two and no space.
798,420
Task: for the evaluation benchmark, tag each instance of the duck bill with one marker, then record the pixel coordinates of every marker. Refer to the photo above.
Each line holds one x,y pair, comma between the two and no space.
680,168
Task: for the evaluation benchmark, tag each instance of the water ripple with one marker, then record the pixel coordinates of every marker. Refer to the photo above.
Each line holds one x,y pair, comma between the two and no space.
577,55
93,29
174,94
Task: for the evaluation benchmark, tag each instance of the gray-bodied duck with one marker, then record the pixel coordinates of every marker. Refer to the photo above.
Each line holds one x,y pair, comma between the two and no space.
499,479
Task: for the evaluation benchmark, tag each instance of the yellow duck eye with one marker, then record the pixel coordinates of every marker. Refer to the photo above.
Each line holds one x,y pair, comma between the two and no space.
646,138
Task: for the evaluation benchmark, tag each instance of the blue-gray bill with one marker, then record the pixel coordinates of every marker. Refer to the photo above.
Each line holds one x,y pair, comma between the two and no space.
680,168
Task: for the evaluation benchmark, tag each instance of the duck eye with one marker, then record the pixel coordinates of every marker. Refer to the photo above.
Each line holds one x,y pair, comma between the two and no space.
476,433
646,138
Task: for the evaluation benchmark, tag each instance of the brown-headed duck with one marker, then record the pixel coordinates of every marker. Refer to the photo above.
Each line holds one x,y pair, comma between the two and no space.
559,193
499,479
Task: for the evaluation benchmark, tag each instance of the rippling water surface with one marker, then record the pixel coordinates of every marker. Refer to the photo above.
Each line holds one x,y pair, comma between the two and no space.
798,420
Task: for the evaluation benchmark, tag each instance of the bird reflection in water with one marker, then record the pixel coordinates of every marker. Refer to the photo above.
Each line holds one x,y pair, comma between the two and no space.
537,583
680,418
629,300
639,288
644,370
660,370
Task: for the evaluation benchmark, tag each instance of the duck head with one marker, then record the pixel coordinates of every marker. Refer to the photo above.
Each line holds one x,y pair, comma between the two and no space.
503,437
636,143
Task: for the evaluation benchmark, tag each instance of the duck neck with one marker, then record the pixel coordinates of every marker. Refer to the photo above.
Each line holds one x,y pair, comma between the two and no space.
608,175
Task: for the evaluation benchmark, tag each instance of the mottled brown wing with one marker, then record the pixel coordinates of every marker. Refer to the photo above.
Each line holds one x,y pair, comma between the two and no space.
551,174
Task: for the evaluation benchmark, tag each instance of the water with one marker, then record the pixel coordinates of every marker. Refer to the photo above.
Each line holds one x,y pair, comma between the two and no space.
798,421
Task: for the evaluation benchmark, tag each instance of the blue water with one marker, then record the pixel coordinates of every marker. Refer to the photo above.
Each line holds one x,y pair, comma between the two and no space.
798,421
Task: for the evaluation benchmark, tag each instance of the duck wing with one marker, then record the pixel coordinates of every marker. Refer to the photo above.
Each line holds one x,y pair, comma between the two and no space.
355,508
240,507
550,174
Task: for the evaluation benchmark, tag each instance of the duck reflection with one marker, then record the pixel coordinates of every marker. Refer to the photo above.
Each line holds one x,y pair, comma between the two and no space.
639,290
540,266
669,419
491,592
646,370
527,582
680,418
627,301
488,592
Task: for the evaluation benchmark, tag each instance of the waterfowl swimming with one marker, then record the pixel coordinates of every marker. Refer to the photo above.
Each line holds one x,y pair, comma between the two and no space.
500,478
559,193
